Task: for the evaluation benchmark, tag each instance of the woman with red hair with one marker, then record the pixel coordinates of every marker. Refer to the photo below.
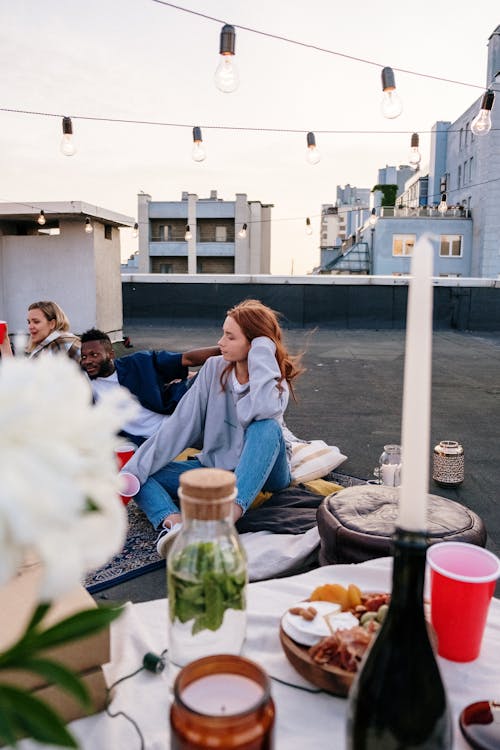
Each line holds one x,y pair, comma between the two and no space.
236,407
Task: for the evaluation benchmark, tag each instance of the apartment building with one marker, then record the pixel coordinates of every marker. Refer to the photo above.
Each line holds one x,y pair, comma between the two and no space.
204,235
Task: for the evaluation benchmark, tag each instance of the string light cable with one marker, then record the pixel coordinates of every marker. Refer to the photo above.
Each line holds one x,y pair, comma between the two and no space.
150,663
315,47
235,128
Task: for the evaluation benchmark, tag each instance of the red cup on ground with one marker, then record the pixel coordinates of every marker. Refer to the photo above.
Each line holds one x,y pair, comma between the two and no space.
462,583
130,487
3,330
124,452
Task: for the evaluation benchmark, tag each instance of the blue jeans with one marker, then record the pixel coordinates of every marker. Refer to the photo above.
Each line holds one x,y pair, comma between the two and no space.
263,465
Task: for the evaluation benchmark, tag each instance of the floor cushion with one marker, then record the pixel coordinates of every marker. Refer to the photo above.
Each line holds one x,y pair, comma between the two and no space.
357,523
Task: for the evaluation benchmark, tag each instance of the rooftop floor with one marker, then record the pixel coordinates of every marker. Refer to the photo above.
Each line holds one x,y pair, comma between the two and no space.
351,396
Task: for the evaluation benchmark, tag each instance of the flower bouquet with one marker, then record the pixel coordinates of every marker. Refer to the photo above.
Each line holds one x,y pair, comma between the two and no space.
59,505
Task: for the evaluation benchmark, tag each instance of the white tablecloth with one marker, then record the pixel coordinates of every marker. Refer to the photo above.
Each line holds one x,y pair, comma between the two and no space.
305,717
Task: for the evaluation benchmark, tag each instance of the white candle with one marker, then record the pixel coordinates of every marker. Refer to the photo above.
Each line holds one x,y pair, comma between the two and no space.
222,694
417,391
391,474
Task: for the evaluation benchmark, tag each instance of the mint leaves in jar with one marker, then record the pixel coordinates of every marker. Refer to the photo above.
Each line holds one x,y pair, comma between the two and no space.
204,581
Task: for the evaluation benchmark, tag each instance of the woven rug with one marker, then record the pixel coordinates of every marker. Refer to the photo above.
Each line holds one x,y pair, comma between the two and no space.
139,556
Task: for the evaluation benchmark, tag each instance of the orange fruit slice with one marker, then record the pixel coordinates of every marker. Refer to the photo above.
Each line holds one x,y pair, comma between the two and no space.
354,595
331,592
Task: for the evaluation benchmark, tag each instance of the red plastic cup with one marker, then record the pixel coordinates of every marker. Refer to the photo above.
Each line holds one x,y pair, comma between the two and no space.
130,487
3,330
124,452
462,583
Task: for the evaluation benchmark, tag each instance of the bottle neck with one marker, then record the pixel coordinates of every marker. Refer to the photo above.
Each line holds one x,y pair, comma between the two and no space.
407,597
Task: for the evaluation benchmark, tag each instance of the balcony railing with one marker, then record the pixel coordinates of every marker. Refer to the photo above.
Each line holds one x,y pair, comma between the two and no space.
424,212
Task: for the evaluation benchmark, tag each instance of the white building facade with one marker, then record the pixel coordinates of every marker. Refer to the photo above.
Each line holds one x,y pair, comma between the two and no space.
61,261
231,237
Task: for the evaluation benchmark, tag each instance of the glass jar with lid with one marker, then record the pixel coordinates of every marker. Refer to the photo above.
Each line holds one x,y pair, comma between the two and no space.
206,571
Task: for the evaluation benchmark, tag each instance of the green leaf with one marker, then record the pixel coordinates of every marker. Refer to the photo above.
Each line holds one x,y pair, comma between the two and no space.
38,615
81,624
26,715
57,673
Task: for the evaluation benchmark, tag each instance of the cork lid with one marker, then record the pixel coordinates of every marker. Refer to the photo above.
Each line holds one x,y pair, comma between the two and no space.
207,493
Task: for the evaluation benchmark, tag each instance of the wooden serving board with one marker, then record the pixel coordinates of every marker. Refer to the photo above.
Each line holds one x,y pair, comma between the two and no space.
325,676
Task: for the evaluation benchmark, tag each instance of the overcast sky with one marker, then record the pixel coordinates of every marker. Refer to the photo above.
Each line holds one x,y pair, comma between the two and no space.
140,60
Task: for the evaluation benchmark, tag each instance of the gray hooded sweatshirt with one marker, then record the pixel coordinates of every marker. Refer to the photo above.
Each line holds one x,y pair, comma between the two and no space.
219,417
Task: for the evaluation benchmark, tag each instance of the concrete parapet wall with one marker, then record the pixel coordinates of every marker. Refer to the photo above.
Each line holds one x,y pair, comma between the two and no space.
339,302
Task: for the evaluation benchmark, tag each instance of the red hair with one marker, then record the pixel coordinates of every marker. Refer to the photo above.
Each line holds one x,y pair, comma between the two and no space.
256,319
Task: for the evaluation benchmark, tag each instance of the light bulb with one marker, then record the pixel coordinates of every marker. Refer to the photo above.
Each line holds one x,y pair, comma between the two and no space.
414,158
67,144
41,218
312,155
135,230
198,153
442,208
88,226
373,218
309,230
189,235
481,124
243,232
391,103
226,76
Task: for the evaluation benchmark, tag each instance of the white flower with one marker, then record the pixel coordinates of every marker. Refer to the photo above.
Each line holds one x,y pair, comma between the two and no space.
59,482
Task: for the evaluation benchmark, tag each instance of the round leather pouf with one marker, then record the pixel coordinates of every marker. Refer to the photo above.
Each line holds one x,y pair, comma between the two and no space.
357,523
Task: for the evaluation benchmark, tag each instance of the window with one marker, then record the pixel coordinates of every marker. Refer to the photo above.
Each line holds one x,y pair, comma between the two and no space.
471,173
465,172
450,246
108,232
460,140
220,234
166,268
466,132
403,244
459,176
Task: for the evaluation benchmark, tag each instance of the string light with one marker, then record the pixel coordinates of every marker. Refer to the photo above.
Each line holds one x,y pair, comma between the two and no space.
309,230
67,143
373,218
189,235
88,225
135,230
391,103
415,157
41,218
443,207
226,76
312,155
481,124
243,232
198,152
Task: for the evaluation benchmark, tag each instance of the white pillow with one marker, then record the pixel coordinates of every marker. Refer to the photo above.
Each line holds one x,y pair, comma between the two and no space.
313,460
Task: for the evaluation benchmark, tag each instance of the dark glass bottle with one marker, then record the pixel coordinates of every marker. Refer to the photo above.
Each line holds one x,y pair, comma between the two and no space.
398,701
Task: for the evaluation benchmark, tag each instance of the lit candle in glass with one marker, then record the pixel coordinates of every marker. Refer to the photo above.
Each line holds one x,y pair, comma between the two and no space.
222,701
417,391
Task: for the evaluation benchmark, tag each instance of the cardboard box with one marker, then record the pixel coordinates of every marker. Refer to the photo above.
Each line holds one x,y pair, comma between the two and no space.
67,707
17,602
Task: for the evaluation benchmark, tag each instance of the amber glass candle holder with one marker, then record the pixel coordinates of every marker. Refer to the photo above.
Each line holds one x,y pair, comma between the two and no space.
222,701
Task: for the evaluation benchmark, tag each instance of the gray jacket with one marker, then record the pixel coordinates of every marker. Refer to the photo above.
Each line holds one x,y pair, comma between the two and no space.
218,416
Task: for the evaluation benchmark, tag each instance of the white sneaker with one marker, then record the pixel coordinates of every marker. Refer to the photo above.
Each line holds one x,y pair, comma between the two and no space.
166,537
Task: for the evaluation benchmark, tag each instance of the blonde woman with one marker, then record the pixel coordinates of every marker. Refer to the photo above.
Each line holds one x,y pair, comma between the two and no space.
49,331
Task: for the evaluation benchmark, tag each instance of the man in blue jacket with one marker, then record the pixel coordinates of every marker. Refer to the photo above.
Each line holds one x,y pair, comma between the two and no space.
158,379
